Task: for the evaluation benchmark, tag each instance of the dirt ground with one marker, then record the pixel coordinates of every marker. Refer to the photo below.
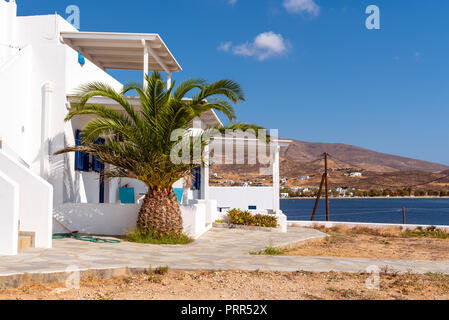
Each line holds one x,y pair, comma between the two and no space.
373,243
255,285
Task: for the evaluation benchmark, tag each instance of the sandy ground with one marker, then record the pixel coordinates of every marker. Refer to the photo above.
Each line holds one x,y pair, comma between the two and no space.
216,285
373,243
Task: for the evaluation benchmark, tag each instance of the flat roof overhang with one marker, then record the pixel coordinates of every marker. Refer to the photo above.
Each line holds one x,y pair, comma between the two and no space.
283,144
209,117
123,51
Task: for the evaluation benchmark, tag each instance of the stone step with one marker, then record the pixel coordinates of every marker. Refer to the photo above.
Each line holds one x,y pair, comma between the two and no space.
26,240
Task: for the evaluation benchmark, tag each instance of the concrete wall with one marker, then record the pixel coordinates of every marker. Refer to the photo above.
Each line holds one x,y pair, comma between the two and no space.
194,219
118,219
35,200
9,215
331,224
242,197
98,219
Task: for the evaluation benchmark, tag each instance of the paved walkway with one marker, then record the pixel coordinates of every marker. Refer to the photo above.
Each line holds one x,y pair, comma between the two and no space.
219,249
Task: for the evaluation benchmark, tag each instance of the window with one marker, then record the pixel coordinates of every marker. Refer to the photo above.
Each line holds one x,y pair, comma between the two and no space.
252,207
81,158
97,165
196,178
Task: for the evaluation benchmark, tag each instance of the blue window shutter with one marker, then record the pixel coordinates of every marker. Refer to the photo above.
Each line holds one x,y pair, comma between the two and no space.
196,178
79,164
81,158
97,165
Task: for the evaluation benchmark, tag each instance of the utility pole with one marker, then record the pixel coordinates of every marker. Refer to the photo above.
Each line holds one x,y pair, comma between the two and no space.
403,215
325,181
326,184
318,197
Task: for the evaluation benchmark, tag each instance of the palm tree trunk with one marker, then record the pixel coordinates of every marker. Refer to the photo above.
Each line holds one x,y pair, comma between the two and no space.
160,212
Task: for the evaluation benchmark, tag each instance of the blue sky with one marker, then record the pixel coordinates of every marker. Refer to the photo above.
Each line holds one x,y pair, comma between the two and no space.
310,68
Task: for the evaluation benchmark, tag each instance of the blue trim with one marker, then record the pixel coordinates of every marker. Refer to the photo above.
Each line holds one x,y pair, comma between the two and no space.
178,193
101,196
97,165
126,195
81,59
81,158
196,178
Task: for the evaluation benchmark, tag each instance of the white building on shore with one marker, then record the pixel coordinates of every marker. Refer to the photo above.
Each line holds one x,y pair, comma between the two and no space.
43,59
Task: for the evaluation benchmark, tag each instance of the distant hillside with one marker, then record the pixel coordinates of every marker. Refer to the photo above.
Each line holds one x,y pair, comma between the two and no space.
379,170
359,157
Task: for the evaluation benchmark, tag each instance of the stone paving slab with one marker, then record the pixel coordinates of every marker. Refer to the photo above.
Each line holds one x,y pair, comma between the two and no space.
219,249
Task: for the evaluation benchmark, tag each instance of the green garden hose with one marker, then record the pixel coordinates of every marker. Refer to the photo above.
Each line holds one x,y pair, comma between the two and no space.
83,238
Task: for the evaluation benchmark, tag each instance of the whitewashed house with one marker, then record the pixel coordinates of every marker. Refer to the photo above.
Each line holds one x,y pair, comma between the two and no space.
355,174
42,60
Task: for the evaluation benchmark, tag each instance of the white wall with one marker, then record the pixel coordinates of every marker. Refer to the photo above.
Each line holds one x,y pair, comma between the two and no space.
9,215
98,219
8,12
15,81
242,197
35,200
45,60
118,219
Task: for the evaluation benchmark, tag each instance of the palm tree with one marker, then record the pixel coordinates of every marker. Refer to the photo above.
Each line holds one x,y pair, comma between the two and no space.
138,140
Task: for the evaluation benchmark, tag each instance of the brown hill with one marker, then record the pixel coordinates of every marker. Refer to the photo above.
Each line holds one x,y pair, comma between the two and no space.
379,170
358,157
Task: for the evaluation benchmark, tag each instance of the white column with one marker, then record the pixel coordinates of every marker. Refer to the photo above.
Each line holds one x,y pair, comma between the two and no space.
47,92
276,183
205,175
168,80
145,62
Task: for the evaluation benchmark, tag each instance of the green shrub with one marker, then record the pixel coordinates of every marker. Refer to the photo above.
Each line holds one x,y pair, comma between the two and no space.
153,238
429,232
237,216
269,251
265,221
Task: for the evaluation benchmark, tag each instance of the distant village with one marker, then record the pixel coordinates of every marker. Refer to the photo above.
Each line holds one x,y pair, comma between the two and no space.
288,190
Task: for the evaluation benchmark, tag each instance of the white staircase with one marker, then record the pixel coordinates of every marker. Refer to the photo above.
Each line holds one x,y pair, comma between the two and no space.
24,197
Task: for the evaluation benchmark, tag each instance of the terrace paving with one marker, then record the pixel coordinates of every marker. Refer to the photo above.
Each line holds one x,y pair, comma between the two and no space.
218,249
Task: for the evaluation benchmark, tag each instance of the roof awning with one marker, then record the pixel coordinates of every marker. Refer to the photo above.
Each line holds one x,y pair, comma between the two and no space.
123,50
240,141
209,117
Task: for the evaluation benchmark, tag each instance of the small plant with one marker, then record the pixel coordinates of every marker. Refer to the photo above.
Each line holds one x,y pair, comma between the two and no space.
218,221
161,270
429,232
154,238
256,272
269,251
237,216
272,251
